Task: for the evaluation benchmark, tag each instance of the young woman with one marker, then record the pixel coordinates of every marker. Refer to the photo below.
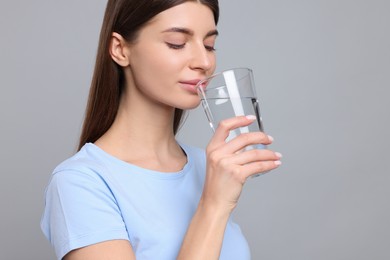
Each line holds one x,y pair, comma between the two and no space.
132,191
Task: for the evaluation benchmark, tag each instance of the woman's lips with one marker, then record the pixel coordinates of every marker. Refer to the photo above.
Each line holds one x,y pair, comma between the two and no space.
190,85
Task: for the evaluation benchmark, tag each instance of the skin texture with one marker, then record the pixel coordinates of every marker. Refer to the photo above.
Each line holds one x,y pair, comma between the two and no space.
172,52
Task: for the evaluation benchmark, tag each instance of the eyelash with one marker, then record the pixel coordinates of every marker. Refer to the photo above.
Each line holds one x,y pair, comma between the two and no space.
210,48
181,46
175,46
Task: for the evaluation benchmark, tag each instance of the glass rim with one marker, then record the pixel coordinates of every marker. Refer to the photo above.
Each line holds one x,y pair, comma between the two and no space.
202,90
250,71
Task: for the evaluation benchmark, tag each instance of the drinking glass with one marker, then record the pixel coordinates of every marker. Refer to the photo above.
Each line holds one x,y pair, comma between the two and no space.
228,94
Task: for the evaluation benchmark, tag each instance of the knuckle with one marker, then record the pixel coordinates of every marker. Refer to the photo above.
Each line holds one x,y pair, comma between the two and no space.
245,137
238,174
250,138
260,167
213,157
223,124
222,162
261,136
257,153
266,166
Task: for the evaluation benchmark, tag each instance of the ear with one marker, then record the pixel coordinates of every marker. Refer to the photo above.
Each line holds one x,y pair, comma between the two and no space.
119,50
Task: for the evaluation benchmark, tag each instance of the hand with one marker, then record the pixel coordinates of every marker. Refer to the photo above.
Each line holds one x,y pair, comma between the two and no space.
229,166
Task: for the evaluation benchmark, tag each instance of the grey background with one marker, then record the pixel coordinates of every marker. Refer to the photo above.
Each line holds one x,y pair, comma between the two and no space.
322,72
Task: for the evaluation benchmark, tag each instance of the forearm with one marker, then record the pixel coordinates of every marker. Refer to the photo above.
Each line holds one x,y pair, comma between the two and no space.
205,234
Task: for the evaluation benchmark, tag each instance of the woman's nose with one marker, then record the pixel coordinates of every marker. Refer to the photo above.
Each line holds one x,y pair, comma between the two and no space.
202,58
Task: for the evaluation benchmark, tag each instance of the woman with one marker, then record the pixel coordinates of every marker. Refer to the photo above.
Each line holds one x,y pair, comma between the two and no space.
132,191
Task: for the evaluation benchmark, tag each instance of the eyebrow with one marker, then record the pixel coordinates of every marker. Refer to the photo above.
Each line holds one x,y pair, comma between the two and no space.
190,32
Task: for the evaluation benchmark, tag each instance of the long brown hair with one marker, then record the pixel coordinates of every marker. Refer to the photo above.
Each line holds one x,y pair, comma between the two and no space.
125,17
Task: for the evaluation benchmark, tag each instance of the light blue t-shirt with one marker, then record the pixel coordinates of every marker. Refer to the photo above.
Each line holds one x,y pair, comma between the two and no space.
94,197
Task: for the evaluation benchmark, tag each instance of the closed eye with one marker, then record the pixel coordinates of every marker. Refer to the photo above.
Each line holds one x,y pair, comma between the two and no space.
181,46
175,46
209,48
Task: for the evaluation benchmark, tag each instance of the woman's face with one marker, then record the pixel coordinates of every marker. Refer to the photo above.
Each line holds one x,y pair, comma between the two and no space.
171,54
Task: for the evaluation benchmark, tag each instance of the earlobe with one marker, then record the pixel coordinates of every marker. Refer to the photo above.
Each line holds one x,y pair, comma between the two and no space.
119,50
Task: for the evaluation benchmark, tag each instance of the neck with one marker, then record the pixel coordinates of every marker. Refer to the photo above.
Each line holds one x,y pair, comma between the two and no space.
142,134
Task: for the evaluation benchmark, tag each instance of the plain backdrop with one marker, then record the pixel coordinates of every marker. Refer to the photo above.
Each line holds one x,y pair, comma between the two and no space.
322,72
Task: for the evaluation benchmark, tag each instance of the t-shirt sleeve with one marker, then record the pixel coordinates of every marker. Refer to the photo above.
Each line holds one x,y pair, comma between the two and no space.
80,210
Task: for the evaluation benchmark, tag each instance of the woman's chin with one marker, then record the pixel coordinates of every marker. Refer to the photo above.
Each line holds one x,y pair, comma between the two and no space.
191,105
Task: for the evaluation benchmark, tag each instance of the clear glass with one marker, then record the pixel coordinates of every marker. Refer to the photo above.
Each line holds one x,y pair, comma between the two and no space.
228,94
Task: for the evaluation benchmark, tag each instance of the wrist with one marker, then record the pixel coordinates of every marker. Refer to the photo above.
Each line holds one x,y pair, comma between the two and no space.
214,210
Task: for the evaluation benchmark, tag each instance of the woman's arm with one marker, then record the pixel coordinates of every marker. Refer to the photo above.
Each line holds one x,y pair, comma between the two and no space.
228,167
205,234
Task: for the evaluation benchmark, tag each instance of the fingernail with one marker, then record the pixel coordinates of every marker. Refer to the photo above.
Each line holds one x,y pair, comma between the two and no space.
279,155
277,163
271,138
251,117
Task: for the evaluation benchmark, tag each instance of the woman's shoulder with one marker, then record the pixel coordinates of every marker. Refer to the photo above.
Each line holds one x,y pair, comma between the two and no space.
84,163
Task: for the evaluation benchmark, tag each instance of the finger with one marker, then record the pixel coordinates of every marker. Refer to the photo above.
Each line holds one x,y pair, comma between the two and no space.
256,168
255,155
243,140
225,126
